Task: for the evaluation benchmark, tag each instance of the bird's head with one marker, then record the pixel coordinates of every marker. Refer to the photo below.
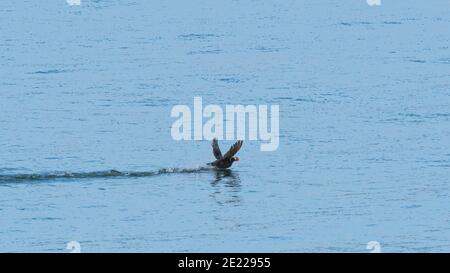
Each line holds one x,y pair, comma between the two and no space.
235,158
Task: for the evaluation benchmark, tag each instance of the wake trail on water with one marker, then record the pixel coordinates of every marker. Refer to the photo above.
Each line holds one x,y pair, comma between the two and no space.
98,174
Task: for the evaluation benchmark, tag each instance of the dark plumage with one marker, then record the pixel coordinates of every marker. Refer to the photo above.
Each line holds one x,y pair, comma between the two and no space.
225,161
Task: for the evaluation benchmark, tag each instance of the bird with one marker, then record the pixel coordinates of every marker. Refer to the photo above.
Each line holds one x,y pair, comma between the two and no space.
225,161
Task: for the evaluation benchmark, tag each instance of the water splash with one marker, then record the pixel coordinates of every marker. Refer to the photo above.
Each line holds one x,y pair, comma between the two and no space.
97,174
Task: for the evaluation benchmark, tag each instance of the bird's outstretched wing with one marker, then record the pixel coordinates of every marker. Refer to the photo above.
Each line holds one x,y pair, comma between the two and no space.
234,149
216,150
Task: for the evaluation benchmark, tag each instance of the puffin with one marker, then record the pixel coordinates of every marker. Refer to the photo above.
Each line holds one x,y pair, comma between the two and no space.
225,161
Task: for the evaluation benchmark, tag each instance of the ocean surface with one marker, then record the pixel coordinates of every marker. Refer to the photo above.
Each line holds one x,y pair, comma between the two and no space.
86,152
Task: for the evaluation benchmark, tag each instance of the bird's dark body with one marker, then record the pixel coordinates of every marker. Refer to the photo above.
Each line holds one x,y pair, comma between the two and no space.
222,163
225,161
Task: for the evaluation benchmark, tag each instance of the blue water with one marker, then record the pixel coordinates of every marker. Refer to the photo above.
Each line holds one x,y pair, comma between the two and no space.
86,152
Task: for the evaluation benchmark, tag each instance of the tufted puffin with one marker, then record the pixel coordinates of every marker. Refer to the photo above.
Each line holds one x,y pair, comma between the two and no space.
225,161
